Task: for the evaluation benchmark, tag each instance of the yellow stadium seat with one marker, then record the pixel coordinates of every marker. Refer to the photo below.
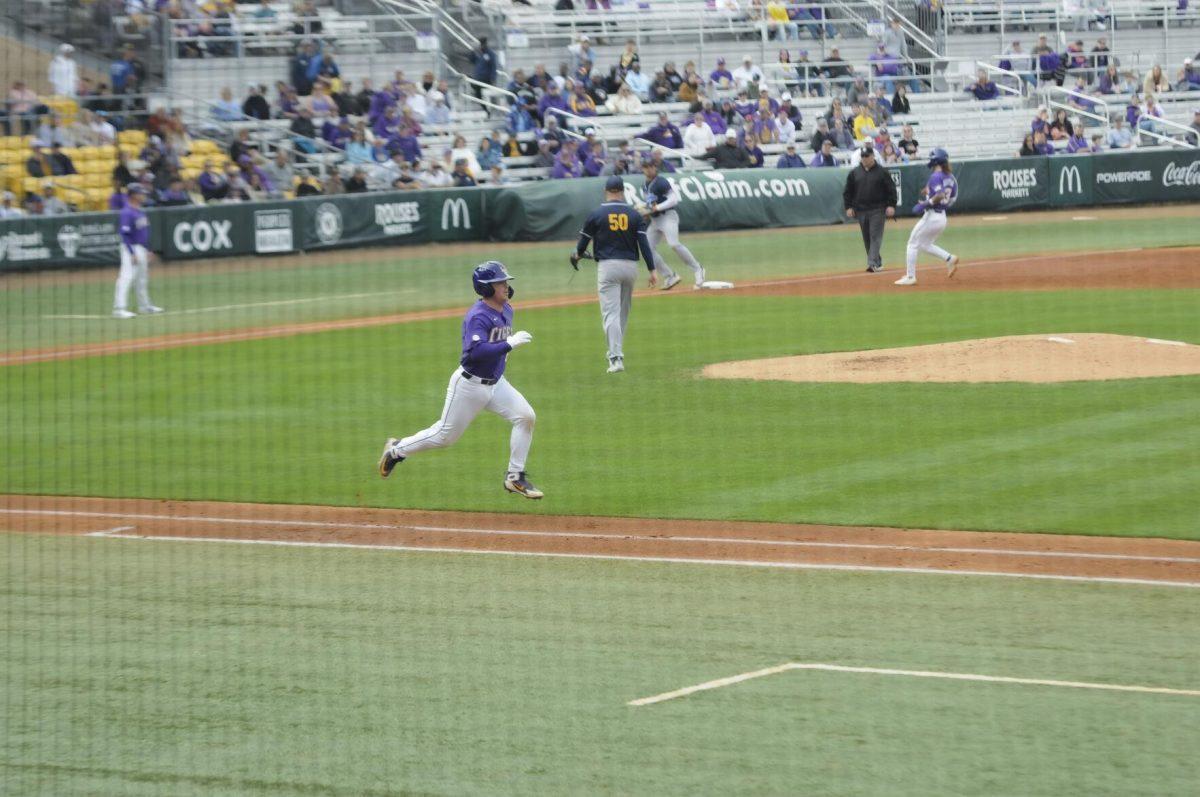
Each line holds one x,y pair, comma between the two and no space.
132,137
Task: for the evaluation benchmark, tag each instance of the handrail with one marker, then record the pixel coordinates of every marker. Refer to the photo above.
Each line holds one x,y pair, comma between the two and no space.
1175,142
1052,90
1019,90
472,81
676,152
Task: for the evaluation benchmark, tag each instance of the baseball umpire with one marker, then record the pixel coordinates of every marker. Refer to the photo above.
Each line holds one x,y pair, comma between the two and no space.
617,234
870,197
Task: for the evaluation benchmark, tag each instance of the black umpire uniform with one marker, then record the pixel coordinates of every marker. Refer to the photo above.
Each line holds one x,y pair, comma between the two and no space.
870,197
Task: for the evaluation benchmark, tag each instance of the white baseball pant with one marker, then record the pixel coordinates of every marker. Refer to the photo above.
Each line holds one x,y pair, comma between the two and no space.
135,271
466,398
616,279
666,227
922,237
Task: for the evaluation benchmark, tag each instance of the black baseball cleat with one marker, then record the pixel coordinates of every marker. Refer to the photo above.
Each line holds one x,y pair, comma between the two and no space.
388,460
874,269
518,483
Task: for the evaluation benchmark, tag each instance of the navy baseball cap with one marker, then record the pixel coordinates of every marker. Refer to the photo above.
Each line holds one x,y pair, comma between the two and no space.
614,183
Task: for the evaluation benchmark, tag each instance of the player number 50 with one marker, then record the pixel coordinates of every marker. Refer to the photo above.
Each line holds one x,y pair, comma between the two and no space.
618,221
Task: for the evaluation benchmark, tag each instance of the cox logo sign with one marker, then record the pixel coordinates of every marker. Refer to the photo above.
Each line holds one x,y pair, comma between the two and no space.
202,236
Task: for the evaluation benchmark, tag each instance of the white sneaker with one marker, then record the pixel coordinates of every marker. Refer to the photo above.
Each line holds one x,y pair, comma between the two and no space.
671,282
123,314
952,266
149,310
906,280
616,365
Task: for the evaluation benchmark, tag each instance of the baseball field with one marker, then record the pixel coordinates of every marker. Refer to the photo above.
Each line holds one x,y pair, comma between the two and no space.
824,535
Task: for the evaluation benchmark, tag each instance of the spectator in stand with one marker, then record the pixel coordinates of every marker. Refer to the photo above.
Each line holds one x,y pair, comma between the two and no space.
885,67
820,134
764,129
302,70
984,88
1078,141
674,79
864,124
226,109
64,72
95,130
581,103
1109,82
174,195
789,109
842,137
255,105
49,131
665,133
544,159
825,157
659,159
1097,144
333,183
240,145
591,146
878,113
660,88
1156,81
357,184
809,74
747,74
835,68
1119,136
8,207
1189,76
304,132
1082,102
890,154
908,143
899,104
789,159
1077,59
691,91
785,128
553,133
698,137
124,73
1041,121
894,41
1151,113
280,173
484,65
624,102
461,176
308,20
1133,110
51,204
1048,61
1194,136
462,152
38,162
857,92
581,52
520,120
1017,60
307,186
553,98
320,101
566,164
883,104
359,150
1100,54
60,162
213,183
405,142
729,155
779,23
757,157
721,77
1041,146
405,179
253,175
499,176
629,58
23,106
638,83
815,13
437,113
714,118
264,11
1061,128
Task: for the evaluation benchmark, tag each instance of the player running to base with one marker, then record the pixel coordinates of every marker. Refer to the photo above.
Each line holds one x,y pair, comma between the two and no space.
487,338
940,193
661,198
134,229
617,234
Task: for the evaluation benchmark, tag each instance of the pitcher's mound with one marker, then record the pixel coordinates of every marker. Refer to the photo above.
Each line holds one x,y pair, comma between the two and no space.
1058,357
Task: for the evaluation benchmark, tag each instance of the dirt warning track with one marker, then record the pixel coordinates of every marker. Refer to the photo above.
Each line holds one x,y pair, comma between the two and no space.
1046,556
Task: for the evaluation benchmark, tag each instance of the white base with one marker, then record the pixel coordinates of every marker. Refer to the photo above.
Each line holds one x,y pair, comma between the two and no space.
715,285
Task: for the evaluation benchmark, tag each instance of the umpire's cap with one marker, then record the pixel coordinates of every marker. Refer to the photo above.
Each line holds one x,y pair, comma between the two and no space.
487,273
867,150
938,156
614,183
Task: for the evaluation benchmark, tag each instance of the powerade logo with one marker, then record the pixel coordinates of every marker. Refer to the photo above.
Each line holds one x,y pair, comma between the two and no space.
272,231
1125,177
1014,183
718,186
202,236
1174,176
397,218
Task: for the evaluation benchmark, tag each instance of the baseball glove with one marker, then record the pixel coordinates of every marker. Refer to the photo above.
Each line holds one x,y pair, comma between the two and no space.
576,257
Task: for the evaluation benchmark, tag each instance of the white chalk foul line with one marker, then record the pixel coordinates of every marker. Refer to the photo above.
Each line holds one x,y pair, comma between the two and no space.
951,676
597,535
679,560
275,303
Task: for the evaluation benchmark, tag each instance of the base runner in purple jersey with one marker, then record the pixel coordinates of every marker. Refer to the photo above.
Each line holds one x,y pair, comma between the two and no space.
938,195
134,228
479,384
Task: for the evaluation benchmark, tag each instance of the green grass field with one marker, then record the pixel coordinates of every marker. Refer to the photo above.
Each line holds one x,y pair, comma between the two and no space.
185,668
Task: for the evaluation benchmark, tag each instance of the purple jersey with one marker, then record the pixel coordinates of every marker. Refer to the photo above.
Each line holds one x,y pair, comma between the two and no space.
484,345
134,227
942,190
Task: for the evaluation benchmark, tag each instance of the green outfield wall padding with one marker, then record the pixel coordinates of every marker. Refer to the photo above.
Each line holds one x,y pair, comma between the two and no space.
555,209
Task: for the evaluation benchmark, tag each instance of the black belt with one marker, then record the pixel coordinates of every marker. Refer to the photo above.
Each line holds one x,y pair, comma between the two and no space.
472,378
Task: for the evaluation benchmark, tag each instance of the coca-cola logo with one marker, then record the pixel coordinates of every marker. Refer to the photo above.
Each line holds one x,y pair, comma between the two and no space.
1179,175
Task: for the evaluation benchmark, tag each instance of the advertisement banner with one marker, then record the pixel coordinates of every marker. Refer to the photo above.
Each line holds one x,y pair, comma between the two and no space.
79,240
458,214
1002,184
203,231
363,219
1159,176
1071,179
